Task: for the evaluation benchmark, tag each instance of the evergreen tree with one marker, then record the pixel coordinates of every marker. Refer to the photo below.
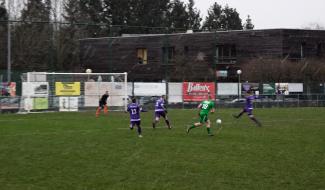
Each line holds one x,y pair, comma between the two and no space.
213,20
248,25
177,16
86,15
3,35
91,13
148,14
35,10
67,54
230,19
117,12
85,18
32,37
3,11
194,16
222,18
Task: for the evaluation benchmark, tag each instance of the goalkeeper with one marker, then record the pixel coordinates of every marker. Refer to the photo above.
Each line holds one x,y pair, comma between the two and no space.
102,104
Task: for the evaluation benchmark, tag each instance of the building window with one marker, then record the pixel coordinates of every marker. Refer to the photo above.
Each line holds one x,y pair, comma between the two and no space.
186,50
319,50
302,50
142,54
168,54
226,53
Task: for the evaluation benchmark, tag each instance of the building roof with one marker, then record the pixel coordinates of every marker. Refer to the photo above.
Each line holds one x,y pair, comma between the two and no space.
198,33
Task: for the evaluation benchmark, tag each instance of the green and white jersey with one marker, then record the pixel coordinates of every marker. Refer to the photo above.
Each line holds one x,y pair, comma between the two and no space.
206,106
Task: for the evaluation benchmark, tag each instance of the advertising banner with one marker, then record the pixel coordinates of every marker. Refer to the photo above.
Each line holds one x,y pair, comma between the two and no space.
198,91
35,89
8,89
41,104
68,104
228,88
269,88
248,86
94,91
67,88
296,87
282,88
149,89
175,92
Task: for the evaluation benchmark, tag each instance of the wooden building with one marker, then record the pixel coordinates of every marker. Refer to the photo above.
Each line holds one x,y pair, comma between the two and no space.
196,56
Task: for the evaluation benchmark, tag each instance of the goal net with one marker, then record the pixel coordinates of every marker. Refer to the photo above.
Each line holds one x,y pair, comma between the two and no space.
42,91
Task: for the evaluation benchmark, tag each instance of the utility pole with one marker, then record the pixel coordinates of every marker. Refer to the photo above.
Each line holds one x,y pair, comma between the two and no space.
8,44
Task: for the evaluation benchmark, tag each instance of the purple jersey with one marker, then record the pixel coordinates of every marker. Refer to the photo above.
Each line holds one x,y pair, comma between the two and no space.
159,106
134,110
249,102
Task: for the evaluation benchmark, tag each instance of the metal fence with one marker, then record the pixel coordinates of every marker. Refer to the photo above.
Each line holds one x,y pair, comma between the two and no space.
16,104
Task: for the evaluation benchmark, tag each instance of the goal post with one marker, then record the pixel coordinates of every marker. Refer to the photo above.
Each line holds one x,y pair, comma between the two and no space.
50,91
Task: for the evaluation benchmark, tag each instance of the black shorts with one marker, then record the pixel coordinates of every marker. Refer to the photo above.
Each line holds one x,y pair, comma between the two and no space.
102,104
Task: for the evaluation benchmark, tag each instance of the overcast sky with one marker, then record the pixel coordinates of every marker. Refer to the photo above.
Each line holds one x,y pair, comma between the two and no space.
273,13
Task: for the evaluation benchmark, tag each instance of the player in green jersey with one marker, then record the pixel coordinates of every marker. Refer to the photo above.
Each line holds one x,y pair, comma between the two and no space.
205,107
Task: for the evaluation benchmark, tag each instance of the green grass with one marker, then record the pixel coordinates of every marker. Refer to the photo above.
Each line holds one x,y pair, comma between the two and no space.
69,151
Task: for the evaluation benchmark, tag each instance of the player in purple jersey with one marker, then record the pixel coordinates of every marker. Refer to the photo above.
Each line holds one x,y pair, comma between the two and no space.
161,111
249,108
134,110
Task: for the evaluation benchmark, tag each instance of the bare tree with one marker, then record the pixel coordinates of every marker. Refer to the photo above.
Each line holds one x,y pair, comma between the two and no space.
283,70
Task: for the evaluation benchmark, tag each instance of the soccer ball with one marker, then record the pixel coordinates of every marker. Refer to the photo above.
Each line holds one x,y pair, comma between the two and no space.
88,70
218,121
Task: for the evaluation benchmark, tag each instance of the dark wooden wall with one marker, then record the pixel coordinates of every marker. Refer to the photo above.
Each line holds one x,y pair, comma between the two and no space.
197,63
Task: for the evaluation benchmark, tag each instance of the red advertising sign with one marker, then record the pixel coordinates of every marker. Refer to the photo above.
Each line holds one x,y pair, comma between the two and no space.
198,91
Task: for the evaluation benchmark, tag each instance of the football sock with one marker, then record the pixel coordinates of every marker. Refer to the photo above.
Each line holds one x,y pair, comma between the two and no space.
97,112
256,121
240,114
139,130
209,130
192,127
167,122
105,109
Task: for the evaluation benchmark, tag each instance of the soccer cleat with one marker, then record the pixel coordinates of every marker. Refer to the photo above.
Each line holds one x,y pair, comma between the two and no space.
210,135
140,136
169,127
154,125
188,130
235,116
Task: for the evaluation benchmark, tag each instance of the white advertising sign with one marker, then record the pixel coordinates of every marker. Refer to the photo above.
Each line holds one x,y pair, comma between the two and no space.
228,88
175,92
149,89
68,103
35,89
130,89
32,90
296,87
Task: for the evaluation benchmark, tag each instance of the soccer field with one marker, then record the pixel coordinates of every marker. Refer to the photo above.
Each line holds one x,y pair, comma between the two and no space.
78,151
